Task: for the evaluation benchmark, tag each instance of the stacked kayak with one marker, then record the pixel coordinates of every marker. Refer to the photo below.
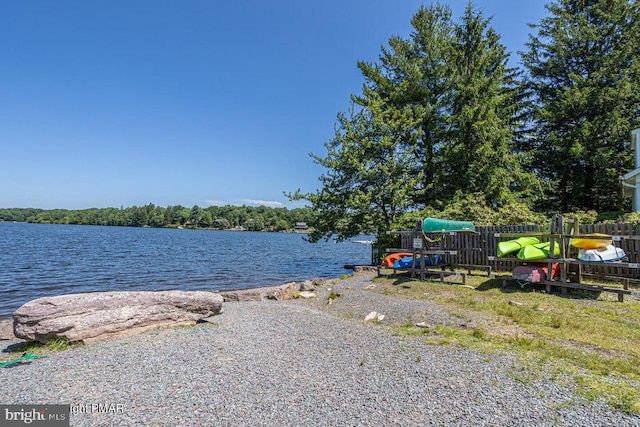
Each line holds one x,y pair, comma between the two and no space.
390,259
406,262
437,225
586,244
610,254
538,251
528,248
511,246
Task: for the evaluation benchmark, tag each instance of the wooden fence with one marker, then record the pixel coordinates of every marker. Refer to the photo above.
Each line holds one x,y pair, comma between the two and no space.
480,249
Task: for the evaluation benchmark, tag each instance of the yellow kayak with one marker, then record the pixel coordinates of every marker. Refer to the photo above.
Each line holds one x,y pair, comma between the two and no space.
586,244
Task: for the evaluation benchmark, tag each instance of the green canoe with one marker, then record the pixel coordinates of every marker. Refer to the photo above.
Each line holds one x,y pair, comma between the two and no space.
510,246
537,251
436,225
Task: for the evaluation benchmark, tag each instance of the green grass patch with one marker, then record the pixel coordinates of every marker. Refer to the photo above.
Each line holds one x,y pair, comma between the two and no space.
623,392
594,341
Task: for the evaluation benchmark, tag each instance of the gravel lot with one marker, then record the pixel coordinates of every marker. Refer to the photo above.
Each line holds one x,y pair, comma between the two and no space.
298,363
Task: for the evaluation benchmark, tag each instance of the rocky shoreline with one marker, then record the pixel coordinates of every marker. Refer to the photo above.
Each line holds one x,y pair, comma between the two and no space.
302,362
58,315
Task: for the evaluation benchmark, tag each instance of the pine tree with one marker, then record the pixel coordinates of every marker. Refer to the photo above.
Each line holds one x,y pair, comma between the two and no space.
448,91
438,116
409,90
584,74
479,155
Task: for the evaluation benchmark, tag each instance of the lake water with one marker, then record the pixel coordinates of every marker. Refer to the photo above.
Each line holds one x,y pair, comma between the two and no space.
39,260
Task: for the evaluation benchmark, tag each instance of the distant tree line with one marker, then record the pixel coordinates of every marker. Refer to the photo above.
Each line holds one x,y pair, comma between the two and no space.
252,218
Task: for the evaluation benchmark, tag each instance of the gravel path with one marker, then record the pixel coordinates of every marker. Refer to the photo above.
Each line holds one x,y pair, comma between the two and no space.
356,302
294,363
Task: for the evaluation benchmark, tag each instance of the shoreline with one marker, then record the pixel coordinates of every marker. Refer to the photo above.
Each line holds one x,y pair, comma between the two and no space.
283,291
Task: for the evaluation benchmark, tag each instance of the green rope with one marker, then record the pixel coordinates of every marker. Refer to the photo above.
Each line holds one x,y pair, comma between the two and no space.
24,357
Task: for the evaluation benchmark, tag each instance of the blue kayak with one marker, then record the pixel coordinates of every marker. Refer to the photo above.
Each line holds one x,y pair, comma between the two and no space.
407,261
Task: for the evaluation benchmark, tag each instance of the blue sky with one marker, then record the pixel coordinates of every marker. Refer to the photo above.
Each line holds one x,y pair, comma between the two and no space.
122,103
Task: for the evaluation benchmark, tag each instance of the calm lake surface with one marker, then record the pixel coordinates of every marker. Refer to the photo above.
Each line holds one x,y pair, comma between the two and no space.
39,260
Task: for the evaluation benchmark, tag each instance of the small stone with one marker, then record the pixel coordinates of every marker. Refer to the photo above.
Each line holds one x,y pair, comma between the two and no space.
369,287
307,294
516,303
374,315
318,281
422,325
307,286
371,316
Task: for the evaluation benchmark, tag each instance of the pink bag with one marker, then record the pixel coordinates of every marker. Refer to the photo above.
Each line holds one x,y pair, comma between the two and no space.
533,273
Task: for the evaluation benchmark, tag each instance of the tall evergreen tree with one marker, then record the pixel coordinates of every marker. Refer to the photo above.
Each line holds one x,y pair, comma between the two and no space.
478,156
448,91
438,116
584,73
410,89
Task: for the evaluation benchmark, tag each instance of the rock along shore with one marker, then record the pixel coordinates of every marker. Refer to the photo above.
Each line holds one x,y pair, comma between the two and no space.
300,362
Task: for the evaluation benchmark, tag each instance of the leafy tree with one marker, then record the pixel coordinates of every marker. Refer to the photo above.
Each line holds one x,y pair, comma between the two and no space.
254,223
53,216
206,220
282,225
113,217
157,217
306,215
195,215
176,215
138,217
584,74
365,186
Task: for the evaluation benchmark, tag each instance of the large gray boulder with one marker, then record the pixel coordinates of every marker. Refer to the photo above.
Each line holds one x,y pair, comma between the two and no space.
94,316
